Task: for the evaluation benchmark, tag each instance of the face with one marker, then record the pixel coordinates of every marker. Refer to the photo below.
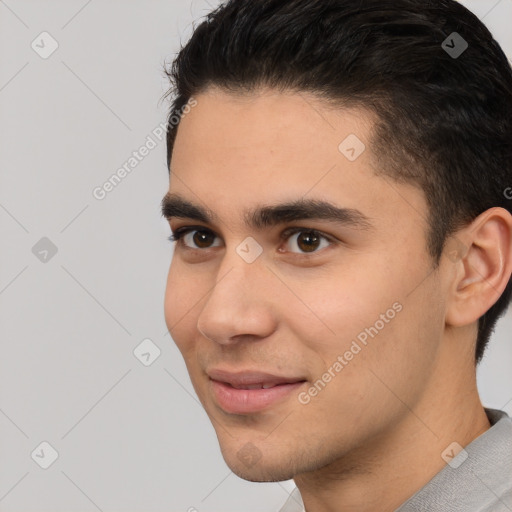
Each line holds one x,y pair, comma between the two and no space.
299,325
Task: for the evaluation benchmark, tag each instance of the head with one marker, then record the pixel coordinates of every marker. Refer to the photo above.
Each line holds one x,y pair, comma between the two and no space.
352,124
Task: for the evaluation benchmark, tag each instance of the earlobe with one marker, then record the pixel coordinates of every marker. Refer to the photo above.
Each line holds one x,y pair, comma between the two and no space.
484,269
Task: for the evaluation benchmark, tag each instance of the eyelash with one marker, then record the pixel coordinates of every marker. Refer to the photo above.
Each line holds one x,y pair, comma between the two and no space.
177,236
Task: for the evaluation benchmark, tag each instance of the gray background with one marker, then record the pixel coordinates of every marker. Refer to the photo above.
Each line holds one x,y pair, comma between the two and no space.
129,437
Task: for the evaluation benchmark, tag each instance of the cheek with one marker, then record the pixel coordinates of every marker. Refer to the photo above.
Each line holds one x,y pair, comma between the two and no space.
389,340
181,295
371,315
335,308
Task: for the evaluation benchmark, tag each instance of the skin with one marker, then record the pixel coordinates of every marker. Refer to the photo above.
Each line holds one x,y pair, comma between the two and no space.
375,434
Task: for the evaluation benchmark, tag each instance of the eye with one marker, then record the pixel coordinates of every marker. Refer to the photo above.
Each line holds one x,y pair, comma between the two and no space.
194,238
307,241
299,240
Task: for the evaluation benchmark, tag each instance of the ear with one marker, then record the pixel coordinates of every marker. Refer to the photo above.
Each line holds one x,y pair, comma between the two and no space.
483,266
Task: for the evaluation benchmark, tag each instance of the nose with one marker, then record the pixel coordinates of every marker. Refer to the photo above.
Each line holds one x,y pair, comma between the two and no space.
239,307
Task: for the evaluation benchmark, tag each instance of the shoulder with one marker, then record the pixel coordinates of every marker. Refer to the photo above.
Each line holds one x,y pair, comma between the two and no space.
481,478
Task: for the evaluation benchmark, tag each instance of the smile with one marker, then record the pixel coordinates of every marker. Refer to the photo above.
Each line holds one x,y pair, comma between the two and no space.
250,392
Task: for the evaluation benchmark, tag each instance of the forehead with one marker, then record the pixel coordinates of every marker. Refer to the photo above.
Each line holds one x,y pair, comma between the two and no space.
235,151
268,124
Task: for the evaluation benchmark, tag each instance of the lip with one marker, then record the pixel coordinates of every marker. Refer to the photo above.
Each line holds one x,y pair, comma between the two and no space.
250,378
226,385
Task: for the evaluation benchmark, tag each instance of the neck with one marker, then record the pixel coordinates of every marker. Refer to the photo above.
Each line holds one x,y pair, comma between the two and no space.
386,471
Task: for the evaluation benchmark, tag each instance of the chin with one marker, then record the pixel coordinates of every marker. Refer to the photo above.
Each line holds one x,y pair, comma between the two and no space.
250,463
260,472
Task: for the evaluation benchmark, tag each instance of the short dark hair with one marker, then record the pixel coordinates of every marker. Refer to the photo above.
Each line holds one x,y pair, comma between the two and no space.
444,122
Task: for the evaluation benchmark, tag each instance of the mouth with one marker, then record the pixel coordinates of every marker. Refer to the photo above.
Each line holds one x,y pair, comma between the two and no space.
249,392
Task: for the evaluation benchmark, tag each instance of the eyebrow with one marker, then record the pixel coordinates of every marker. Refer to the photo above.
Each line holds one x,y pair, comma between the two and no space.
175,206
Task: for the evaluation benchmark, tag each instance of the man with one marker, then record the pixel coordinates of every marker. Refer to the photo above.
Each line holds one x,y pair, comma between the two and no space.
340,200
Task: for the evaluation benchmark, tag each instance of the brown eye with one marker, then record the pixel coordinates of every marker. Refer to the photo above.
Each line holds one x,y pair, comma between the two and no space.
195,238
203,239
307,241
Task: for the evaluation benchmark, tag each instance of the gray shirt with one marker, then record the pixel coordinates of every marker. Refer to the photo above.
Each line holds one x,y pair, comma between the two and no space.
478,479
